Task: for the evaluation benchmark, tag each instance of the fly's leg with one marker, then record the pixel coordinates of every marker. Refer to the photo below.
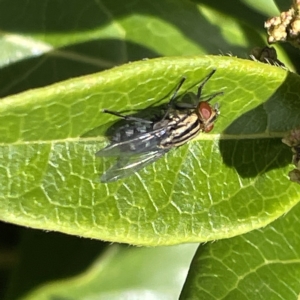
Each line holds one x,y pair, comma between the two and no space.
188,105
171,102
199,93
213,96
194,106
127,118
185,106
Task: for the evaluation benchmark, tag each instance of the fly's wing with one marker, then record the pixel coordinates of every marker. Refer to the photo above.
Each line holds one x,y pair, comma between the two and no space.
126,165
146,142
131,140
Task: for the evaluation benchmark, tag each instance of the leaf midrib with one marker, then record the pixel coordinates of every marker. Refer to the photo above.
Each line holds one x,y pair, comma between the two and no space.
202,137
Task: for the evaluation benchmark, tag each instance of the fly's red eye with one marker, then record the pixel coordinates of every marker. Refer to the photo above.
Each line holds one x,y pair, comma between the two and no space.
205,110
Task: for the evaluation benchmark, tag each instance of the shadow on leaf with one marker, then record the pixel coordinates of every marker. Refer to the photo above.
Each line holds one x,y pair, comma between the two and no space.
62,19
69,62
255,147
251,158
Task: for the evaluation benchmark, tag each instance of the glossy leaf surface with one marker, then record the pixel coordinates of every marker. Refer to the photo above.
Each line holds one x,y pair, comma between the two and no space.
214,187
262,264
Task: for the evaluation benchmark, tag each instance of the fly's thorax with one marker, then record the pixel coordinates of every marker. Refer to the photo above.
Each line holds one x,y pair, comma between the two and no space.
161,124
189,98
186,119
183,129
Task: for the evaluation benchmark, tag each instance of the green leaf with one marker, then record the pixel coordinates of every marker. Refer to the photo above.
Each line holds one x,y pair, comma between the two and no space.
262,264
50,177
217,186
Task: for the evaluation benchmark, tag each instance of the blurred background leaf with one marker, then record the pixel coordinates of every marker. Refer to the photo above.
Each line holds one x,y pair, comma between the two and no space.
150,272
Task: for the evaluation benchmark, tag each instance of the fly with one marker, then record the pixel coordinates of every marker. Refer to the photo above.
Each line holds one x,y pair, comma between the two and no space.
141,141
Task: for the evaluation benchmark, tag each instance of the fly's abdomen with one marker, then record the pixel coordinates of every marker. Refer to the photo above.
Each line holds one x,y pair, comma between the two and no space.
130,131
132,139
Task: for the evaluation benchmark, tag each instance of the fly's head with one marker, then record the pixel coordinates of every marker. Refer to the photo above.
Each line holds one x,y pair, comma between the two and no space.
207,115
